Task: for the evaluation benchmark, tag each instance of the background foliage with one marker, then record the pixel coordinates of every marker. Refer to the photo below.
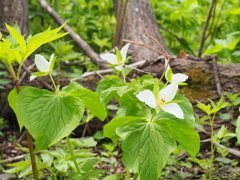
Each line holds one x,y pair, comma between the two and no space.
95,22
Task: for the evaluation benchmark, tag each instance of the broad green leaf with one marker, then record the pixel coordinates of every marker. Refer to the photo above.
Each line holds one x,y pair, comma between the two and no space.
146,146
131,106
49,117
110,128
12,97
187,109
105,84
72,86
184,135
91,101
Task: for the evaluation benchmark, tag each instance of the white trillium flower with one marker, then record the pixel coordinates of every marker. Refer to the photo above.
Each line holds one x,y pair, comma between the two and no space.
42,64
112,58
164,96
178,78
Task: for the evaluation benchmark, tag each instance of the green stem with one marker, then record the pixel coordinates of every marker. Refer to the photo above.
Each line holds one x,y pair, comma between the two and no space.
135,176
10,70
124,77
55,87
212,145
127,174
19,71
69,144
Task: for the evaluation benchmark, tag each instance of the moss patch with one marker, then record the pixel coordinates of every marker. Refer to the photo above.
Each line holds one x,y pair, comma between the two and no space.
200,84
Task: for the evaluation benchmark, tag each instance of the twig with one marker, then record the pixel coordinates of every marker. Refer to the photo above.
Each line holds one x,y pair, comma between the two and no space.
215,28
106,71
180,39
216,75
76,38
25,73
12,159
166,54
141,44
47,86
205,28
230,150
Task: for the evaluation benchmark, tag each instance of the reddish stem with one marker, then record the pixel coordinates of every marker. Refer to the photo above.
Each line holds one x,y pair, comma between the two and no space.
30,143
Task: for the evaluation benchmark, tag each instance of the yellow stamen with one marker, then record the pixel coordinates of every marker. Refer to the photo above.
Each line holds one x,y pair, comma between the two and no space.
160,102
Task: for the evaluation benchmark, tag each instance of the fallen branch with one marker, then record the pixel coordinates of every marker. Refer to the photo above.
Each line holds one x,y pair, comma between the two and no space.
107,71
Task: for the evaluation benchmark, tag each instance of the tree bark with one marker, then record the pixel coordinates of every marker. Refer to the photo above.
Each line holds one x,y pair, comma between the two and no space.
14,11
137,12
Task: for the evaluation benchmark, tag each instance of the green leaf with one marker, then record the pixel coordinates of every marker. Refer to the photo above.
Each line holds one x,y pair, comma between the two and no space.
72,86
88,142
110,128
91,101
187,109
205,108
114,177
146,146
96,173
236,101
168,75
105,84
34,42
184,135
238,129
19,39
48,117
130,105
12,97
61,166
226,116
87,165
222,132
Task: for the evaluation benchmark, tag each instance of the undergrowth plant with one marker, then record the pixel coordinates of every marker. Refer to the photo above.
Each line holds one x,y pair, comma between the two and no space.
151,120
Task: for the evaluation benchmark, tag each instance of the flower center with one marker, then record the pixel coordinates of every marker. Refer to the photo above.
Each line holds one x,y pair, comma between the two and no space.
160,102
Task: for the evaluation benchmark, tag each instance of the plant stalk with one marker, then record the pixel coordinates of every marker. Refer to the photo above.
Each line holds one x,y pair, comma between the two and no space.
212,146
30,143
69,144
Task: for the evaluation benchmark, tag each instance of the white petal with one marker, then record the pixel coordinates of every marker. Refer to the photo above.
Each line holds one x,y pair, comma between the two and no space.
32,77
111,58
42,64
168,93
179,77
174,109
147,96
51,58
124,51
119,68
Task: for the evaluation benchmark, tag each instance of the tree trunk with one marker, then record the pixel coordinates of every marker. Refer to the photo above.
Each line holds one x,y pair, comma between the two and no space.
12,11
139,15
